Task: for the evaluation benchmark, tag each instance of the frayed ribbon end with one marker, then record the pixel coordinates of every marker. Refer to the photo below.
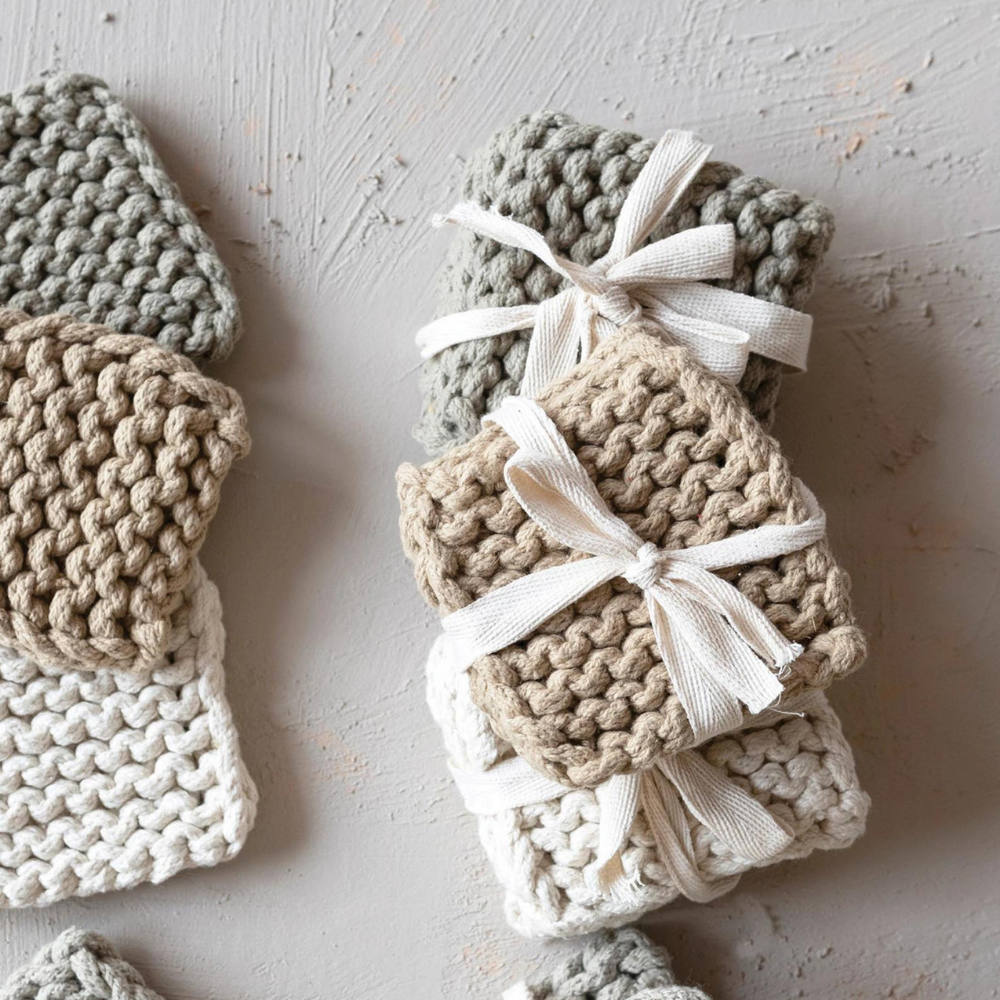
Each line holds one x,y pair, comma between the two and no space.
611,882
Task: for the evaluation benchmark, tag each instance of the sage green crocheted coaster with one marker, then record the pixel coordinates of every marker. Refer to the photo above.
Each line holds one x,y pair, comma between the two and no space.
78,965
569,180
619,965
90,223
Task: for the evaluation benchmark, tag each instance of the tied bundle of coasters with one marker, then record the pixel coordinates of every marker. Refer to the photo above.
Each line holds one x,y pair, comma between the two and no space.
624,965
569,183
119,761
635,589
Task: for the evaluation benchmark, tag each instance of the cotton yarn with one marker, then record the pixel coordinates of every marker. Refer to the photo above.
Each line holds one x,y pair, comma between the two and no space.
92,225
112,779
624,965
112,455
78,965
568,181
677,455
799,767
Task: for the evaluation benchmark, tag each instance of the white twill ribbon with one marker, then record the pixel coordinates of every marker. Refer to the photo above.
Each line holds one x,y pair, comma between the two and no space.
661,282
683,780
719,649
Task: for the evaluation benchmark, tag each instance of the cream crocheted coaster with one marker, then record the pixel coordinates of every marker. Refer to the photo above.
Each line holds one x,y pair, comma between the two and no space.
78,965
91,225
800,769
112,455
624,965
569,180
676,454
112,779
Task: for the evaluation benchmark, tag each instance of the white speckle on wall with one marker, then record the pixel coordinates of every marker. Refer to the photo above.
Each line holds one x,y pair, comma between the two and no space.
315,139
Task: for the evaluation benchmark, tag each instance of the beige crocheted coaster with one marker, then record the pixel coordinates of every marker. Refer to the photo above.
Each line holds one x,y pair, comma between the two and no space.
112,779
112,456
677,455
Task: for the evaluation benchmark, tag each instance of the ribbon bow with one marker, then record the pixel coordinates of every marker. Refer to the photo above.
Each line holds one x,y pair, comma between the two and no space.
661,282
719,648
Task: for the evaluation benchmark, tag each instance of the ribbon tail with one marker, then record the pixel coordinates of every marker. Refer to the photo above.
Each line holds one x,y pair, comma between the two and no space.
732,814
555,343
674,846
722,349
774,331
673,164
744,617
711,708
618,801
476,324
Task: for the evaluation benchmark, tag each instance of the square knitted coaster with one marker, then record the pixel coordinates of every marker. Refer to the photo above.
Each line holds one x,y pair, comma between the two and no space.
569,181
112,779
624,965
91,225
112,455
78,965
675,454
799,767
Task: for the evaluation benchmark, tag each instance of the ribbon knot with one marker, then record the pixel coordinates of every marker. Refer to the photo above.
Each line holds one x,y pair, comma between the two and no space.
720,650
617,306
661,282
648,567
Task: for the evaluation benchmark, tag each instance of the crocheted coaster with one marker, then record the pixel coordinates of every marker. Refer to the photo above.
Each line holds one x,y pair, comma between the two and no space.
569,181
624,965
78,965
90,223
677,455
112,456
112,779
801,769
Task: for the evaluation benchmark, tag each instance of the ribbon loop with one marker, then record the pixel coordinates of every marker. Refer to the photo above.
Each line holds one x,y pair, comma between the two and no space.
661,282
719,649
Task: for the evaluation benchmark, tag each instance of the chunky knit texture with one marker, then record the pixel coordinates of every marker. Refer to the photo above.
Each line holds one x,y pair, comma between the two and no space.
569,181
78,965
90,223
112,456
624,965
800,769
112,779
677,455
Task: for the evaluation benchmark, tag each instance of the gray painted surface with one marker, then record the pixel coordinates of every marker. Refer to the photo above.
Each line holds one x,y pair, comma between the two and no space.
322,136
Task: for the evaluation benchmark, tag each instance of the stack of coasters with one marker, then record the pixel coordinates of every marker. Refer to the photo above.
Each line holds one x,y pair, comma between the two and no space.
113,778
799,767
78,965
120,757
624,965
675,455
640,604
569,181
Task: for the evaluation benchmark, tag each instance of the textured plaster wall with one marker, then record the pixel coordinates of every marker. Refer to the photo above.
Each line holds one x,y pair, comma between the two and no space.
320,137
